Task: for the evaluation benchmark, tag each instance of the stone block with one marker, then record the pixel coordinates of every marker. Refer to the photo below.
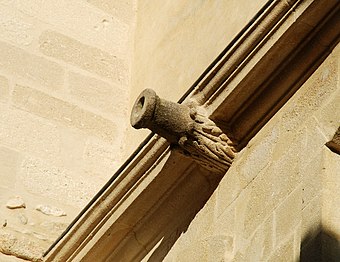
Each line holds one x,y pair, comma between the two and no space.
69,50
311,220
196,252
297,242
4,89
315,92
258,155
292,141
8,258
312,174
91,25
15,28
263,241
219,247
248,164
190,22
67,114
107,155
253,206
314,144
225,221
201,228
123,10
50,182
284,172
35,69
10,161
241,211
288,215
258,247
229,187
327,116
72,144
221,236
107,98
7,2
330,197
52,228
283,253
269,188
206,216
27,134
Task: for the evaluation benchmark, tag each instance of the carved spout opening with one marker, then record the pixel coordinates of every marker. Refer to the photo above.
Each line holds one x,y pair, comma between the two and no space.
143,109
140,104
166,118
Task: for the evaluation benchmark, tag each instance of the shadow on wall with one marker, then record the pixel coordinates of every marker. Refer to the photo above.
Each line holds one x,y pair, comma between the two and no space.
179,206
184,202
169,204
188,187
321,247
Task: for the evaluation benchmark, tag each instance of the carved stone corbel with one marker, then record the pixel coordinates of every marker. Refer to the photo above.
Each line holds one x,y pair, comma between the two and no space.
186,128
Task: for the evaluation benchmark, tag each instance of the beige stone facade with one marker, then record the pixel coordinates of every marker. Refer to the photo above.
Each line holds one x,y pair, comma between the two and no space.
64,95
177,40
267,73
280,196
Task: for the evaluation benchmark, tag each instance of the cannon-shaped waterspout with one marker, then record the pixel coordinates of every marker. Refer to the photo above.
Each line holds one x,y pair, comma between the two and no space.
186,129
169,120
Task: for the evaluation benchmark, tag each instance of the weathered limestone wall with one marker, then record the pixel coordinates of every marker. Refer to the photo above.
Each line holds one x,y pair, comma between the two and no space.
64,92
176,40
282,189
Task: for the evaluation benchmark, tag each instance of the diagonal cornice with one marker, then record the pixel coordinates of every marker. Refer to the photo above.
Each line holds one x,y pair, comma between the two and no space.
265,67
241,91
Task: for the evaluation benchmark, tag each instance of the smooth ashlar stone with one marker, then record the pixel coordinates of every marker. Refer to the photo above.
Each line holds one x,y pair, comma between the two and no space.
15,202
40,236
54,227
50,210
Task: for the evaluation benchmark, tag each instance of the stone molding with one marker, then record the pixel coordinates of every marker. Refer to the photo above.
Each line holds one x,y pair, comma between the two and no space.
239,93
293,42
